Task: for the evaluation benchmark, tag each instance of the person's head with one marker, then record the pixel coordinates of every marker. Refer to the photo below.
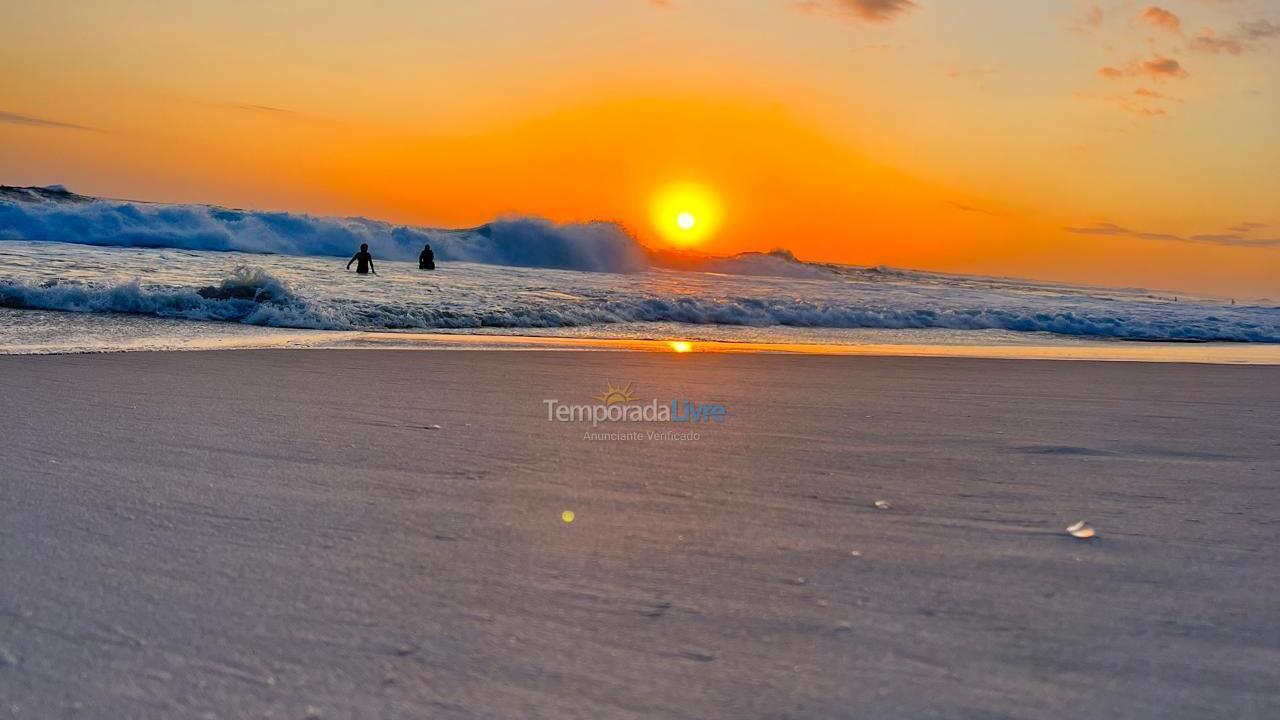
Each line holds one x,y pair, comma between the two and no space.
428,247
364,247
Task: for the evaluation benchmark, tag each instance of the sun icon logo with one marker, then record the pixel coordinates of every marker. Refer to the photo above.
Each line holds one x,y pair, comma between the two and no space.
617,395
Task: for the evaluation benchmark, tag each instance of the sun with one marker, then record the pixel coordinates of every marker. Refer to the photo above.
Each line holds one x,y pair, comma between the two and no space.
686,213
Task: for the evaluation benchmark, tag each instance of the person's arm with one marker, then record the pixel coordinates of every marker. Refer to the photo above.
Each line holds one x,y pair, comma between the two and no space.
353,259
375,272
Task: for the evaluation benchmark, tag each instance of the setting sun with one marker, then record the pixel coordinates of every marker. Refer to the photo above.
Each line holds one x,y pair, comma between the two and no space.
686,213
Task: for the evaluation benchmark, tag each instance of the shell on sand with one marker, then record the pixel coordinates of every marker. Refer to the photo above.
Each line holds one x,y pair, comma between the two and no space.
1081,531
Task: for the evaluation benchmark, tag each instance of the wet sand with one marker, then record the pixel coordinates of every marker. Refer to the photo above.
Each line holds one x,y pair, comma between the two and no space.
288,533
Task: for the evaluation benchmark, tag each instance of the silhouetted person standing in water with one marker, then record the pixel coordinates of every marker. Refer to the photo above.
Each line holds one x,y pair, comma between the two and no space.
364,261
427,259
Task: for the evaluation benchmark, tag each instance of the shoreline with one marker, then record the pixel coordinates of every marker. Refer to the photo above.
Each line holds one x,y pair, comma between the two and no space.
1069,349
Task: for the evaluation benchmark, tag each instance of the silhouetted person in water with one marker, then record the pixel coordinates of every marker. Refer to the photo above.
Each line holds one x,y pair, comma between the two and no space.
427,259
364,261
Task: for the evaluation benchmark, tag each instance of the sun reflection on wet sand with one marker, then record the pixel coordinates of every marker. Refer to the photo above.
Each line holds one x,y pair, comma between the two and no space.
1212,353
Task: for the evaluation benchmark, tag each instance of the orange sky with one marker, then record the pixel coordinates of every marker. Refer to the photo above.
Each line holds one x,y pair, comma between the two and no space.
1094,142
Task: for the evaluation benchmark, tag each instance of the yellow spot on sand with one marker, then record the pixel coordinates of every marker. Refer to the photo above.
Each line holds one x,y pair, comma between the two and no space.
567,516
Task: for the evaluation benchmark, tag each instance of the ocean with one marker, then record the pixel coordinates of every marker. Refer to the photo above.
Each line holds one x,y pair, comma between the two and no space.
83,274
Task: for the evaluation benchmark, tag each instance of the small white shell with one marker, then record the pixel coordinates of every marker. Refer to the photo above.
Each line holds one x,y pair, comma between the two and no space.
1081,531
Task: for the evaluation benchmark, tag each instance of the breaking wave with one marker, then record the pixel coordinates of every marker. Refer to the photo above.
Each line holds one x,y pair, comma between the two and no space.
249,295
54,214
253,296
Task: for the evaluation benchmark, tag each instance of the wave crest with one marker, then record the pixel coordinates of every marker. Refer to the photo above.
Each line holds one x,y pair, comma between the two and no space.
45,216
250,295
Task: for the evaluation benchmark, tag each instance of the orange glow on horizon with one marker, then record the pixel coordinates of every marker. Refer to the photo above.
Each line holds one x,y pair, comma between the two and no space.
922,141
645,162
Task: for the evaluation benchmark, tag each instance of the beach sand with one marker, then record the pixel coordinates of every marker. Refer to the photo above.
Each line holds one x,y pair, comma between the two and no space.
287,534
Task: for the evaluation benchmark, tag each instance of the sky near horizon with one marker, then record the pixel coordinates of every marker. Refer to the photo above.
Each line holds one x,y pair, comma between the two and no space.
1110,142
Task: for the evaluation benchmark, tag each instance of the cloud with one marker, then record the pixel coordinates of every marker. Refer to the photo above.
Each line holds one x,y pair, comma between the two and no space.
1248,35
1158,67
664,4
1208,42
1232,239
878,11
977,72
1246,227
266,109
1160,18
1259,30
972,209
1141,106
1163,67
16,119
1090,17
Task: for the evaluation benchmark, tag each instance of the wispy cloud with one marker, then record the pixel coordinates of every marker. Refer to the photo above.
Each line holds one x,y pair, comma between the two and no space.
1142,103
1139,103
877,11
1158,67
1259,29
1233,239
1089,18
1248,35
1208,41
976,72
16,119
265,109
248,108
972,209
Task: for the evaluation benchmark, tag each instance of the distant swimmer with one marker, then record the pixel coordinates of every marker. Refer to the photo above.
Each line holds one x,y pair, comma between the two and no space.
364,260
427,260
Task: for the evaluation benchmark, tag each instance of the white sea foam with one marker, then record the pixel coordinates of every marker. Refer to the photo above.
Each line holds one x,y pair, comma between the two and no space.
253,296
